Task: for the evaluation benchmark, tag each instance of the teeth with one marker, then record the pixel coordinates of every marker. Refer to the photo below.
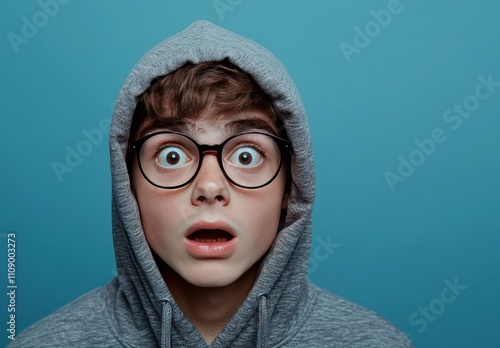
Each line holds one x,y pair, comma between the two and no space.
206,240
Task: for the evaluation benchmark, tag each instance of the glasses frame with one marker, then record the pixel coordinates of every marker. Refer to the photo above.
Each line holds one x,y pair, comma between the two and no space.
284,146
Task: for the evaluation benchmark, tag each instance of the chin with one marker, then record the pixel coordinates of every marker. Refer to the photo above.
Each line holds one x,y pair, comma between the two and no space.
209,273
211,278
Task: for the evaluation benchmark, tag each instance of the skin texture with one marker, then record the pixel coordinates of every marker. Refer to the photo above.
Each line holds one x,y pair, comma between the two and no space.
209,290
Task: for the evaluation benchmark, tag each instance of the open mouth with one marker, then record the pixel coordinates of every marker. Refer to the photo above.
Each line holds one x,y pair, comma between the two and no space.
210,236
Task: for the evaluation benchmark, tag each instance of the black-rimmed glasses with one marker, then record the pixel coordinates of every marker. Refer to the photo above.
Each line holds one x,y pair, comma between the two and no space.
170,160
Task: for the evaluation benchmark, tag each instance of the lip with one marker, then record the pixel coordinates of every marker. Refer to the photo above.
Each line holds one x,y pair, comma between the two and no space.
206,250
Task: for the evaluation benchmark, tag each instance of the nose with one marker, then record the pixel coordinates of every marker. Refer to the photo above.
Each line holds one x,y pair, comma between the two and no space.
210,185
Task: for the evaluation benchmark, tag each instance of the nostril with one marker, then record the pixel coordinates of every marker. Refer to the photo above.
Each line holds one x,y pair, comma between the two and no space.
219,198
202,198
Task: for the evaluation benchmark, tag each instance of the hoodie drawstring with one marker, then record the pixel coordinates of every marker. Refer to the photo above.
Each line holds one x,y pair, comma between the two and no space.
166,322
263,324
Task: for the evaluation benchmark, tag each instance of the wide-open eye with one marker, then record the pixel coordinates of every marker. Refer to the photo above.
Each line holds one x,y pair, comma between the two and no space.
246,157
172,157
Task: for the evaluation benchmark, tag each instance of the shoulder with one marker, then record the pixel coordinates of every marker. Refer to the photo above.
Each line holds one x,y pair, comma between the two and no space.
337,322
82,322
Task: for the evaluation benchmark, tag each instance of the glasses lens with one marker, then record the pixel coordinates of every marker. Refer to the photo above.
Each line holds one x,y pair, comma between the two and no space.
252,159
168,159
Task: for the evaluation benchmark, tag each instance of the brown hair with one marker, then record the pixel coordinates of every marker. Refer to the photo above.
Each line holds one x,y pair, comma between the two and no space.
217,87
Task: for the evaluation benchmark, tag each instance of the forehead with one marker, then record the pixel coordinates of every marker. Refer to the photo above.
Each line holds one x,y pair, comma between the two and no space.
229,124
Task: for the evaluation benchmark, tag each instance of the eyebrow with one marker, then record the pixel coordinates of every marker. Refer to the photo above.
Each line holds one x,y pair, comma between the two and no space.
239,126
231,128
173,124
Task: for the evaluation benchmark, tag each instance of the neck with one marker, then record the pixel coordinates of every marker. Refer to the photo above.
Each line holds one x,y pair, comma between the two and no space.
208,309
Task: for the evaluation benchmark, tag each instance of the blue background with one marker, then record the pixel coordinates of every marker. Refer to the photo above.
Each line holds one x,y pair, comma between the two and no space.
391,250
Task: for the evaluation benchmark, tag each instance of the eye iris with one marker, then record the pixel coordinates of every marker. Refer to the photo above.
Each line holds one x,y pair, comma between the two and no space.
172,158
245,158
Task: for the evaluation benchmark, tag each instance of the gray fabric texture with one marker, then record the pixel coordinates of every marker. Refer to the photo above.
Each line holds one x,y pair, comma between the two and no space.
283,309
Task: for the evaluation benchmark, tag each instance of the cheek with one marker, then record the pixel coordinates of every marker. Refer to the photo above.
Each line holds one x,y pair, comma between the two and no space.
150,218
162,220
263,211
263,222
153,203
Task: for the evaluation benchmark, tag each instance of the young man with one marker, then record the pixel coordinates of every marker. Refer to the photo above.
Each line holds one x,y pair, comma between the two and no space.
213,186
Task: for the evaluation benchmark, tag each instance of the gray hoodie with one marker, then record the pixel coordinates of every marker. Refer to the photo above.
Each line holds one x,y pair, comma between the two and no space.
283,309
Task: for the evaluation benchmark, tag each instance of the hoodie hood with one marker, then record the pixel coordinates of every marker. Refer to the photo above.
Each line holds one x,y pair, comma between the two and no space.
275,306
